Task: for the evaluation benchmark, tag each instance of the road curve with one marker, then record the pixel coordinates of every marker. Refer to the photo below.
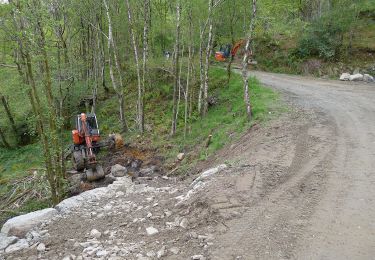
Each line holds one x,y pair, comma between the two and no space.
343,225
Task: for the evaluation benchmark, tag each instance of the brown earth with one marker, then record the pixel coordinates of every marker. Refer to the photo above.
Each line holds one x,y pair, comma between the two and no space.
299,187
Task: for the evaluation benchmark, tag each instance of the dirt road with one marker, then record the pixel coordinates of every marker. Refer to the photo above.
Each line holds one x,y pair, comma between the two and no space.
326,208
298,187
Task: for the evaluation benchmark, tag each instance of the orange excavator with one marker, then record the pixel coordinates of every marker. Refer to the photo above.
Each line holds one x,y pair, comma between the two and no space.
86,137
224,54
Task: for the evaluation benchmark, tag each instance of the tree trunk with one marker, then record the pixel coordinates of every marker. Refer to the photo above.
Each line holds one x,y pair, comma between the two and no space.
3,139
138,68
188,73
144,67
9,115
118,89
176,68
245,63
207,65
201,72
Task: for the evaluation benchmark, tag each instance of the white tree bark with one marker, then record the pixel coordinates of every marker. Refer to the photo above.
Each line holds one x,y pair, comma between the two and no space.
118,89
176,68
207,61
245,60
188,73
144,67
138,68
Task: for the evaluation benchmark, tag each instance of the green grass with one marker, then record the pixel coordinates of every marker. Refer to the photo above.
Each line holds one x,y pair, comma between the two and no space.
18,162
225,121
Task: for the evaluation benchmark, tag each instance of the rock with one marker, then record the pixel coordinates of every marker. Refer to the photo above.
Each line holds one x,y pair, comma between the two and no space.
174,250
69,257
5,241
180,156
101,253
198,257
119,194
117,142
19,226
356,77
184,223
151,254
21,244
151,231
209,173
161,252
95,233
41,247
91,195
147,171
368,78
345,77
118,170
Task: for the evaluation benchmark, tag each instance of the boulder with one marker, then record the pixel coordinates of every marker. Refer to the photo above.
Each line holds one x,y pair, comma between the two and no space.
5,241
118,170
368,78
356,77
19,226
21,244
345,77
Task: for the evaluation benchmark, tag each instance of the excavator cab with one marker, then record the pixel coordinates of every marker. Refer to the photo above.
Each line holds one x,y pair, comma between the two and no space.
86,136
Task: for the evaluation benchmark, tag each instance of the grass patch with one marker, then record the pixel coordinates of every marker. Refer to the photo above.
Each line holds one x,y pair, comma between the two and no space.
226,120
18,162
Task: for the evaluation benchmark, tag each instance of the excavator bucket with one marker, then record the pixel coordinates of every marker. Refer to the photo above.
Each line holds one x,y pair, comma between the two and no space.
94,173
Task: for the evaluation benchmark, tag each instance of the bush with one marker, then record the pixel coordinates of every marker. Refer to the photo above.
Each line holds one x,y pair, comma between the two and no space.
323,38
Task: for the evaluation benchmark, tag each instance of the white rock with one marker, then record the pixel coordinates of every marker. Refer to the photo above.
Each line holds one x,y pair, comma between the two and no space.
184,223
101,253
41,247
151,254
368,78
118,170
209,173
198,257
107,207
151,231
19,226
119,194
345,77
161,252
5,241
95,233
21,244
356,77
70,257
82,199
180,156
174,250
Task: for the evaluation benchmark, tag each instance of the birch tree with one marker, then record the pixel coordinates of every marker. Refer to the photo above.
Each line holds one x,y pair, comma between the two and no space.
112,52
176,68
245,61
